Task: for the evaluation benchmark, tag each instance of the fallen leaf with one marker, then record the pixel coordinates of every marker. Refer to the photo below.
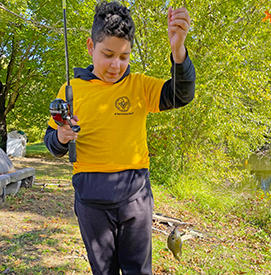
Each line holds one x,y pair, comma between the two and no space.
268,16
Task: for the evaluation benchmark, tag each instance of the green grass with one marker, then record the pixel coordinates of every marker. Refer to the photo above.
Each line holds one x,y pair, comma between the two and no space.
37,149
238,244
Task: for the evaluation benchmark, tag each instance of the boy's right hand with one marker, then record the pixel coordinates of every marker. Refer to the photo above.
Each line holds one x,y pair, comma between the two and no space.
178,27
65,133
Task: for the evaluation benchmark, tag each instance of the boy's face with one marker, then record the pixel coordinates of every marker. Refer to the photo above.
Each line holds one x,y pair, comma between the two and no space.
110,58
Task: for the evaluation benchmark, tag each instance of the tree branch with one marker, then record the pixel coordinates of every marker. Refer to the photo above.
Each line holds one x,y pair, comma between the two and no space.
10,65
14,96
37,24
140,53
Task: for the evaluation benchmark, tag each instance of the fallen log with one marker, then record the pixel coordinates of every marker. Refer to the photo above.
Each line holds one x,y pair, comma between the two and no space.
169,220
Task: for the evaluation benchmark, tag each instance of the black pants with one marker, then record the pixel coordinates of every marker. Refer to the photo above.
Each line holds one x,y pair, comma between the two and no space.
118,239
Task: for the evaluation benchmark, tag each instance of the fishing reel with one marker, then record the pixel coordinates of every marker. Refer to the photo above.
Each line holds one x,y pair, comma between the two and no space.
60,112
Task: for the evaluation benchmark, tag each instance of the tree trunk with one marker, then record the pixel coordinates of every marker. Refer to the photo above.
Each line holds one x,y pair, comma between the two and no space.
3,133
3,126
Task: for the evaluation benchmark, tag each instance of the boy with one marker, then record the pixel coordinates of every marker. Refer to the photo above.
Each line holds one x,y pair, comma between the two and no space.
113,197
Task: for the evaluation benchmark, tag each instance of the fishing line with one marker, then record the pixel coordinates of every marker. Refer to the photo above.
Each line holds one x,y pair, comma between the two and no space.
175,170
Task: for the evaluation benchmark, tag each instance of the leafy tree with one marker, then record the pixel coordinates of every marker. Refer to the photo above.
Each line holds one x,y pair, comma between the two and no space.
32,58
232,45
229,118
228,44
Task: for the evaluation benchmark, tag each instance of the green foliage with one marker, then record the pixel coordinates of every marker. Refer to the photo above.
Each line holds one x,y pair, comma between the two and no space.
228,44
233,73
35,134
208,182
32,57
258,210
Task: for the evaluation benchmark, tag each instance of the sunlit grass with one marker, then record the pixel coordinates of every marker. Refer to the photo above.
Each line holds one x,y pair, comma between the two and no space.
237,244
37,149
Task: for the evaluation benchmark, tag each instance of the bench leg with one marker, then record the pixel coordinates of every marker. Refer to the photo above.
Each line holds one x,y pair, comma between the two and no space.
28,182
13,187
2,195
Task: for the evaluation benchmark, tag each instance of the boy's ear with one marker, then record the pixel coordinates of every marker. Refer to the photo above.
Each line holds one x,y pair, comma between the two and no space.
90,46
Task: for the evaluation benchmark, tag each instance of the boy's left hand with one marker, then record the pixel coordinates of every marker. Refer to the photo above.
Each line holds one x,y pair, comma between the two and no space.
178,27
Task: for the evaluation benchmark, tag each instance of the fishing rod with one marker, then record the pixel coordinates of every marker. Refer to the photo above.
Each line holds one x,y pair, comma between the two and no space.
60,110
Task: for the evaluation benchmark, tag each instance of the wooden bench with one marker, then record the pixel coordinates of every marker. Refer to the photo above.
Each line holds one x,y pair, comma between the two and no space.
10,179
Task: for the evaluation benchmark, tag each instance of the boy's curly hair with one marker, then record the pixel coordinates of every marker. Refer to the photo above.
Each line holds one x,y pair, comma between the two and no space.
112,19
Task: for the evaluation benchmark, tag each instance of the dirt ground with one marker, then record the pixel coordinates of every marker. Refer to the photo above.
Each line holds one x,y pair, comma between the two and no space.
40,234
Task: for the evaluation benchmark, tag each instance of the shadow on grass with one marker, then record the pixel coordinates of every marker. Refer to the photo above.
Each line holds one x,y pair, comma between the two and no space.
42,251
51,201
40,234
38,252
53,168
36,269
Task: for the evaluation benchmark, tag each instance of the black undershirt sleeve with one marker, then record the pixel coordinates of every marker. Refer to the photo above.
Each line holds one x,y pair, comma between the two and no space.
184,89
51,141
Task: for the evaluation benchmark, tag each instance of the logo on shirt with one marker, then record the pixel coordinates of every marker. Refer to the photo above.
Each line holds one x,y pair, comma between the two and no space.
123,104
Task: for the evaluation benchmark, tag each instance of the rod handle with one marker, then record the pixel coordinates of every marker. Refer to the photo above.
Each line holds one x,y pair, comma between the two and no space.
72,151
69,98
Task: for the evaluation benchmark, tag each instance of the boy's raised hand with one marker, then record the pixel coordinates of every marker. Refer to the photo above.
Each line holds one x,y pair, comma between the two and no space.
65,133
178,26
